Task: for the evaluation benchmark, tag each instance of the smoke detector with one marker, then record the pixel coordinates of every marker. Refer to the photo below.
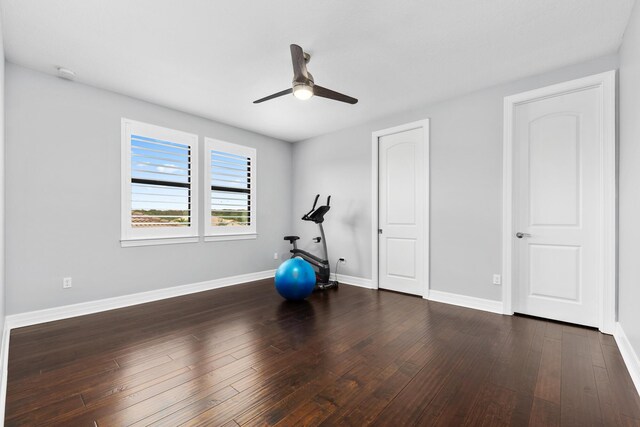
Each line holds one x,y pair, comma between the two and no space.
65,73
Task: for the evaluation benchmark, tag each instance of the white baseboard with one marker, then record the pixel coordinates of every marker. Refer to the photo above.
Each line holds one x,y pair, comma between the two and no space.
629,355
74,310
355,281
465,301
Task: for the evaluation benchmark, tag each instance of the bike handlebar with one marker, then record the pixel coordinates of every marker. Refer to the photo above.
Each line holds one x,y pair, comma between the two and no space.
315,202
305,217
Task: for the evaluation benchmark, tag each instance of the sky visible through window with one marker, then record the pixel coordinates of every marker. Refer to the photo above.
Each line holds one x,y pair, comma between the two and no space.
160,185
230,185
160,177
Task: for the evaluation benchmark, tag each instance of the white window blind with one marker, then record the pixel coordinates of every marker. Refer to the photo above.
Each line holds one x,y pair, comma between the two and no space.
159,193
230,203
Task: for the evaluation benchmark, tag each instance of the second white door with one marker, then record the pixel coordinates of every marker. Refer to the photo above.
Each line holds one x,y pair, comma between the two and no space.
557,163
401,217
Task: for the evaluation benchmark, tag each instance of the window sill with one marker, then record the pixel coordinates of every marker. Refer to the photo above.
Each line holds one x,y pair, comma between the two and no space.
158,241
225,237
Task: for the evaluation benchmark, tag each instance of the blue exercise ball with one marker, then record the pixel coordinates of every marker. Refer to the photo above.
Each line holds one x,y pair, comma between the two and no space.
295,279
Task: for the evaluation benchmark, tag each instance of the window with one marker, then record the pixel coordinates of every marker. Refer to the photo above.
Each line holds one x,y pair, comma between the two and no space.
159,185
230,180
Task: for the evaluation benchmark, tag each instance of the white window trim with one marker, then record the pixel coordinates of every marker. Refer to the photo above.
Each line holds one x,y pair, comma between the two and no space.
216,234
146,237
225,237
162,241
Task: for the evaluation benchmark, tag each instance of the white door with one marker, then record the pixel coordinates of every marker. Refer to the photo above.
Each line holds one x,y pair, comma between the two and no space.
401,217
557,206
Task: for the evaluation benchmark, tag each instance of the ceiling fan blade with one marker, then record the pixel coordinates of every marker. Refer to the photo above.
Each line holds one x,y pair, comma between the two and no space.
323,92
275,95
299,64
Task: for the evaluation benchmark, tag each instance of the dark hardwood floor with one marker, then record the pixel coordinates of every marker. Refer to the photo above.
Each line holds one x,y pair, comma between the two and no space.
243,356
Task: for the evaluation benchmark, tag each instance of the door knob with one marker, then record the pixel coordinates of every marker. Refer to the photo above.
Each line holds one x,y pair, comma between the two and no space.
520,235
379,230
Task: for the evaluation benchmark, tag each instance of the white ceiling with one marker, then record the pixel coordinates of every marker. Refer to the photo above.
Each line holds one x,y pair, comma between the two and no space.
212,58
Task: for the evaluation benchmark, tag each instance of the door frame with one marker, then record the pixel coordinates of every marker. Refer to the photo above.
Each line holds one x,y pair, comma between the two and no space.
375,136
606,84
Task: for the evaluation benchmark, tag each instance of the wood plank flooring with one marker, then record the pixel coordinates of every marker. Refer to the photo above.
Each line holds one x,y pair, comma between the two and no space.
241,356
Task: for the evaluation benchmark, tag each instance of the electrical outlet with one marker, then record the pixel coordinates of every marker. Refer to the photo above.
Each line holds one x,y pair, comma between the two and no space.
275,255
342,260
497,280
66,283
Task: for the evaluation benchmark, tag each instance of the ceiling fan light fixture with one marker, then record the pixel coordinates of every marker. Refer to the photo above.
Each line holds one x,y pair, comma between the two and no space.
302,91
303,87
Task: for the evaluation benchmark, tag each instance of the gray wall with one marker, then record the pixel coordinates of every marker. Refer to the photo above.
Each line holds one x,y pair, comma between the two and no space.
2,186
63,198
629,183
466,184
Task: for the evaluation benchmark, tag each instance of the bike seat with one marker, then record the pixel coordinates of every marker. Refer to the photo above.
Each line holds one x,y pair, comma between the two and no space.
291,239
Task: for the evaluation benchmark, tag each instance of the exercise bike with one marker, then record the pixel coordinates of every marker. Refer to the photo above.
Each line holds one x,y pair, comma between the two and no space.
320,265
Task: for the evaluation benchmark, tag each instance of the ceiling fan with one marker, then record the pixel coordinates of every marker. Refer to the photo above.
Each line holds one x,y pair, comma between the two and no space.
303,86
